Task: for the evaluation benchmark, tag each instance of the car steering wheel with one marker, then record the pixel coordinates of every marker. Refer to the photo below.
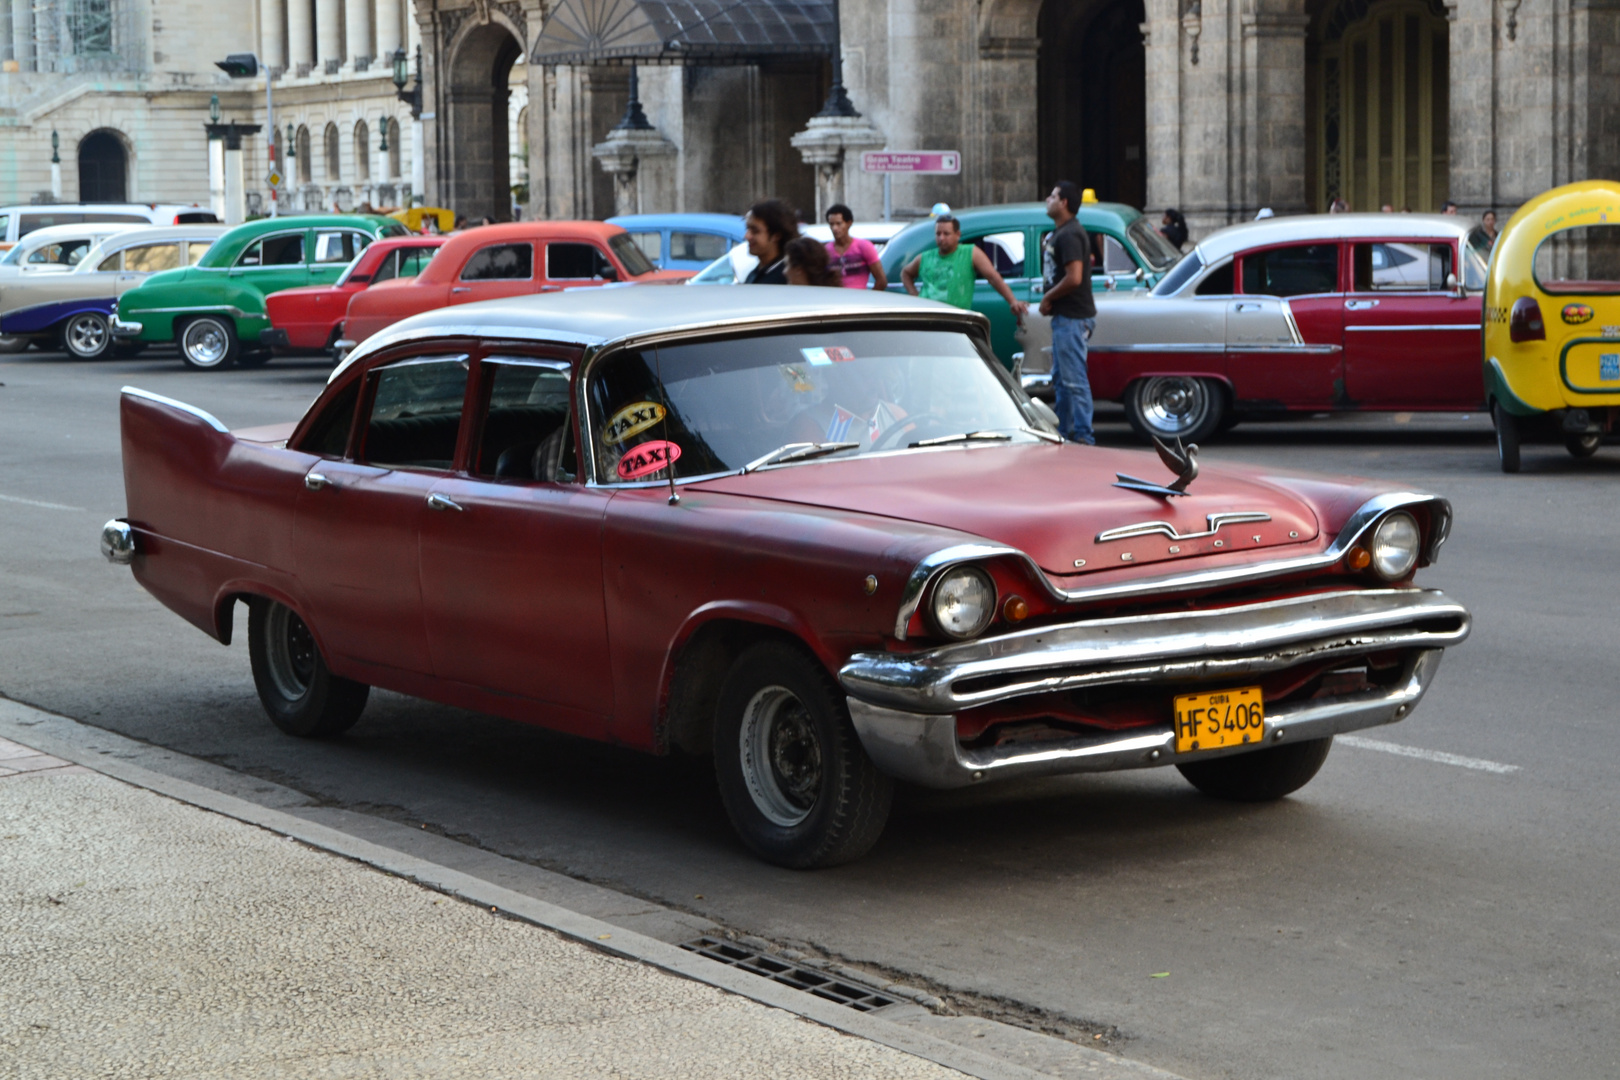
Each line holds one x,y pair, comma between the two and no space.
911,429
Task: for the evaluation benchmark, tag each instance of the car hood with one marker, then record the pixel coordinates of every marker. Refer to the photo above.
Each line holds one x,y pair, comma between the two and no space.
1049,501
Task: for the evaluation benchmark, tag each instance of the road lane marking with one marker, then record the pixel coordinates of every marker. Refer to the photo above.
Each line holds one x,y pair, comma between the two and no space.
1440,757
41,505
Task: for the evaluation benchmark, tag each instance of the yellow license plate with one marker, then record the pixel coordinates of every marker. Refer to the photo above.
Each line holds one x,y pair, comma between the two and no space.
1223,718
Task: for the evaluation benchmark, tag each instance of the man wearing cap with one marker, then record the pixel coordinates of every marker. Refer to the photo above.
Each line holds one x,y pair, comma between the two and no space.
1066,274
946,274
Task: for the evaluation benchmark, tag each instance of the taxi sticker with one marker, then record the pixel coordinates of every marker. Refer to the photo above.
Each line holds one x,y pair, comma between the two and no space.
838,426
649,457
1609,367
1575,314
631,420
832,354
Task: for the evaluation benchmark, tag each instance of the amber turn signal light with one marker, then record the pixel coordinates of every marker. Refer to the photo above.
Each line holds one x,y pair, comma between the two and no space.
1358,559
1015,609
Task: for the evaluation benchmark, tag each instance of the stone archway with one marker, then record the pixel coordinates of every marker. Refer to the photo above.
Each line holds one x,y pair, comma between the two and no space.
103,168
1093,97
476,96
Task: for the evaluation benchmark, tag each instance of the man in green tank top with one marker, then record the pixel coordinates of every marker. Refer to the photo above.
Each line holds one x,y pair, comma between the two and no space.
947,274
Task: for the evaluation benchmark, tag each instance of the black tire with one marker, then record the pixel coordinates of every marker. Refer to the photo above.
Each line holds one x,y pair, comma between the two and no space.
86,336
208,342
300,695
1507,438
252,358
1176,407
10,345
795,780
1259,775
1582,446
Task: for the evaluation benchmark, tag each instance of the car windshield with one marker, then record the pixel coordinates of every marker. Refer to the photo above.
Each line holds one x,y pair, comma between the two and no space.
1580,260
1152,245
718,406
1176,279
634,259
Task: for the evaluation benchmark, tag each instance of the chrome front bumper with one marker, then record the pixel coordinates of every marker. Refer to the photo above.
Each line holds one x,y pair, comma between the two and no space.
904,706
120,328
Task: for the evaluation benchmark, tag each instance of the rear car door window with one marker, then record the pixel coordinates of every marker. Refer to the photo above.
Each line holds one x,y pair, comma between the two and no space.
386,269
1299,270
696,246
500,262
328,434
1391,266
339,247
287,250
1218,283
412,261
111,263
415,415
582,262
196,249
525,433
150,258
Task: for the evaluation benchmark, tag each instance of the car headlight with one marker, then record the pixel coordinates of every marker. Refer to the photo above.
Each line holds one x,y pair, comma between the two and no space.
964,602
1394,546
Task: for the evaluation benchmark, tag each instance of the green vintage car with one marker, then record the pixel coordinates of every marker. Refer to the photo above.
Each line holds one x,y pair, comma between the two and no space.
1129,253
214,311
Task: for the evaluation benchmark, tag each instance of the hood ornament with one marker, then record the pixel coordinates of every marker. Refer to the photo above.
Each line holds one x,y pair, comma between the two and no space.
1181,460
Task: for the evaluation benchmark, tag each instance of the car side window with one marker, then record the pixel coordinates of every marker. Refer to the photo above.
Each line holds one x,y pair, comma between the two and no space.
1005,251
415,415
150,258
1401,267
412,261
328,436
526,434
339,247
196,249
67,253
697,247
1115,259
500,262
285,250
111,263
650,243
1292,271
385,269
1218,283
584,262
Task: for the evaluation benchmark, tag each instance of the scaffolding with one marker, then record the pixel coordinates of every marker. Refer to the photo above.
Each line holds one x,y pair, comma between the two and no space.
70,36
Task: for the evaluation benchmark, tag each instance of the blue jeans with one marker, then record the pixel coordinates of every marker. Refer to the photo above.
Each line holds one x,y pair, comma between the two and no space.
1070,383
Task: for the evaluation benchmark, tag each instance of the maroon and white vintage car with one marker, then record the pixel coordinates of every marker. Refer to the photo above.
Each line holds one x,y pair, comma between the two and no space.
873,560
1315,313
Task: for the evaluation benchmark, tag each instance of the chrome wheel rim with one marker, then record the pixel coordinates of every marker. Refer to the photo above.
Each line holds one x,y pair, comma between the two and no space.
87,335
1173,404
206,343
291,653
781,757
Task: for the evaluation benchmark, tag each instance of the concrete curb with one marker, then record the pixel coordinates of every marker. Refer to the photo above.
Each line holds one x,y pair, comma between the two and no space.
34,727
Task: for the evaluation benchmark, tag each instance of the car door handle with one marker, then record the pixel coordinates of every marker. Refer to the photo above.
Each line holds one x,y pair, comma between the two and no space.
1245,307
1360,305
461,288
436,501
551,288
315,481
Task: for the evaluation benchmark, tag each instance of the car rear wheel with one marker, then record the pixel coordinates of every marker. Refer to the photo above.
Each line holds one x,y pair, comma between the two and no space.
87,335
1175,407
1583,445
301,696
795,780
208,342
1507,438
1259,775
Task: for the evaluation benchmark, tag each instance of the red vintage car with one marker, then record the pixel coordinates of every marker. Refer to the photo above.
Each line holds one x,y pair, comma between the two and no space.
307,319
820,534
1314,313
497,261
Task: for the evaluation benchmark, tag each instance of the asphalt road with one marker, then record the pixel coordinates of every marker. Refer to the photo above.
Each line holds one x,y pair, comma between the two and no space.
1413,916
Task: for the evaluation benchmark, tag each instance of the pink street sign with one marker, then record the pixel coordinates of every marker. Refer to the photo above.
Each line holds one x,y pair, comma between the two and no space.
946,162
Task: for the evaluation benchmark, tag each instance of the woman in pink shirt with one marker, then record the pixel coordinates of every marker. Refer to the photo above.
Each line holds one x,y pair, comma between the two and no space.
850,258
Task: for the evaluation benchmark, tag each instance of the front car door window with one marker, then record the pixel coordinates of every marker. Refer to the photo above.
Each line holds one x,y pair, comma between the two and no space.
286,249
525,433
339,247
1300,270
500,262
650,243
415,415
578,262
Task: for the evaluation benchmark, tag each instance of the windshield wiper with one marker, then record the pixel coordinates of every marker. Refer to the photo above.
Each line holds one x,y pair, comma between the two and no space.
797,451
966,436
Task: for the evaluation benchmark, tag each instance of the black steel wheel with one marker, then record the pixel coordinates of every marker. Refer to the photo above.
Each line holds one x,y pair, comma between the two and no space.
208,342
1507,438
1176,407
300,695
795,780
1583,445
87,335
1259,775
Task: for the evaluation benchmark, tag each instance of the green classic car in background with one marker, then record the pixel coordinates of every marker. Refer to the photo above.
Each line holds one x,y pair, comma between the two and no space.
214,311
1129,253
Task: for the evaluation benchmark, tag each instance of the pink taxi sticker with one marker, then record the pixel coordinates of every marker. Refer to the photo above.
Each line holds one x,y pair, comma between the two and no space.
649,457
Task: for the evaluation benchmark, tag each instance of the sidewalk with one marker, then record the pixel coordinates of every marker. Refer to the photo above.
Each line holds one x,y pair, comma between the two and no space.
142,937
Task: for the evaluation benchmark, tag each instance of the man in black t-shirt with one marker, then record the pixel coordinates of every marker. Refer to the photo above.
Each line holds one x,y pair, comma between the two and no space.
1066,267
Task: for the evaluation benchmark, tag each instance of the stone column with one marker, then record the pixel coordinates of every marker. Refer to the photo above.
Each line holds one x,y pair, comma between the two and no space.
833,145
5,36
300,36
1271,169
22,33
357,31
216,177
388,18
328,32
271,14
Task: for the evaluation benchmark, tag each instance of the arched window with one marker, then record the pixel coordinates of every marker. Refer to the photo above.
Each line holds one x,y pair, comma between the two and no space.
393,148
334,154
362,151
301,148
102,168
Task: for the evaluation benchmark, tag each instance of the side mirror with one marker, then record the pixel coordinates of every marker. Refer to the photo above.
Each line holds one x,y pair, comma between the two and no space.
1110,283
607,273
1456,286
1141,274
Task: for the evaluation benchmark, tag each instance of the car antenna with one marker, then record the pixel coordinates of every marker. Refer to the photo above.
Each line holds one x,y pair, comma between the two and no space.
658,365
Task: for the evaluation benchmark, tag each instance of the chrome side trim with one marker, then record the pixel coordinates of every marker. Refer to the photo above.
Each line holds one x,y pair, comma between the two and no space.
1204,347
190,410
1425,326
1164,528
1176,646
1211,578
924,749
118,542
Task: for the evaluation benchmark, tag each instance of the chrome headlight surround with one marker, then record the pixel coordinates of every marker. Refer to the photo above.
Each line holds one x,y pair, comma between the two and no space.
963,602
1395,545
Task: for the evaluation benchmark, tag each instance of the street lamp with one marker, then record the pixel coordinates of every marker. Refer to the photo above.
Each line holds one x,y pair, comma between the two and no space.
292,143
246,66
383,146
837,103
56,145
213,109
56,167
402,75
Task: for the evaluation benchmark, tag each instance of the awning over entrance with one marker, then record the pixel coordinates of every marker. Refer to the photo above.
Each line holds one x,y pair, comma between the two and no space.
684,31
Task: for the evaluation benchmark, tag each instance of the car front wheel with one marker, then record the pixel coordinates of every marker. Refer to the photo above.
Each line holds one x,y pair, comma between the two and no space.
301,696
795,780
1175,407
208,342
87,335
1259,775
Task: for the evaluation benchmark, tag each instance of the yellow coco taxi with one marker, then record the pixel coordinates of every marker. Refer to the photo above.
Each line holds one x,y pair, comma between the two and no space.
1552,321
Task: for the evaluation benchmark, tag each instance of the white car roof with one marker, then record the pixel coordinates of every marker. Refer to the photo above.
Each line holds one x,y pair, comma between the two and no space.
139,235
53,234
1303,228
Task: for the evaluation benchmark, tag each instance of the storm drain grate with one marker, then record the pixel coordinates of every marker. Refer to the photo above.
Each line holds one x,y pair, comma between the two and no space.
842,991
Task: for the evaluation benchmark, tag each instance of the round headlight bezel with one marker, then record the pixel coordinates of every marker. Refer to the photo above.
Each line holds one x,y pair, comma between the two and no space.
946,590
1381,545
